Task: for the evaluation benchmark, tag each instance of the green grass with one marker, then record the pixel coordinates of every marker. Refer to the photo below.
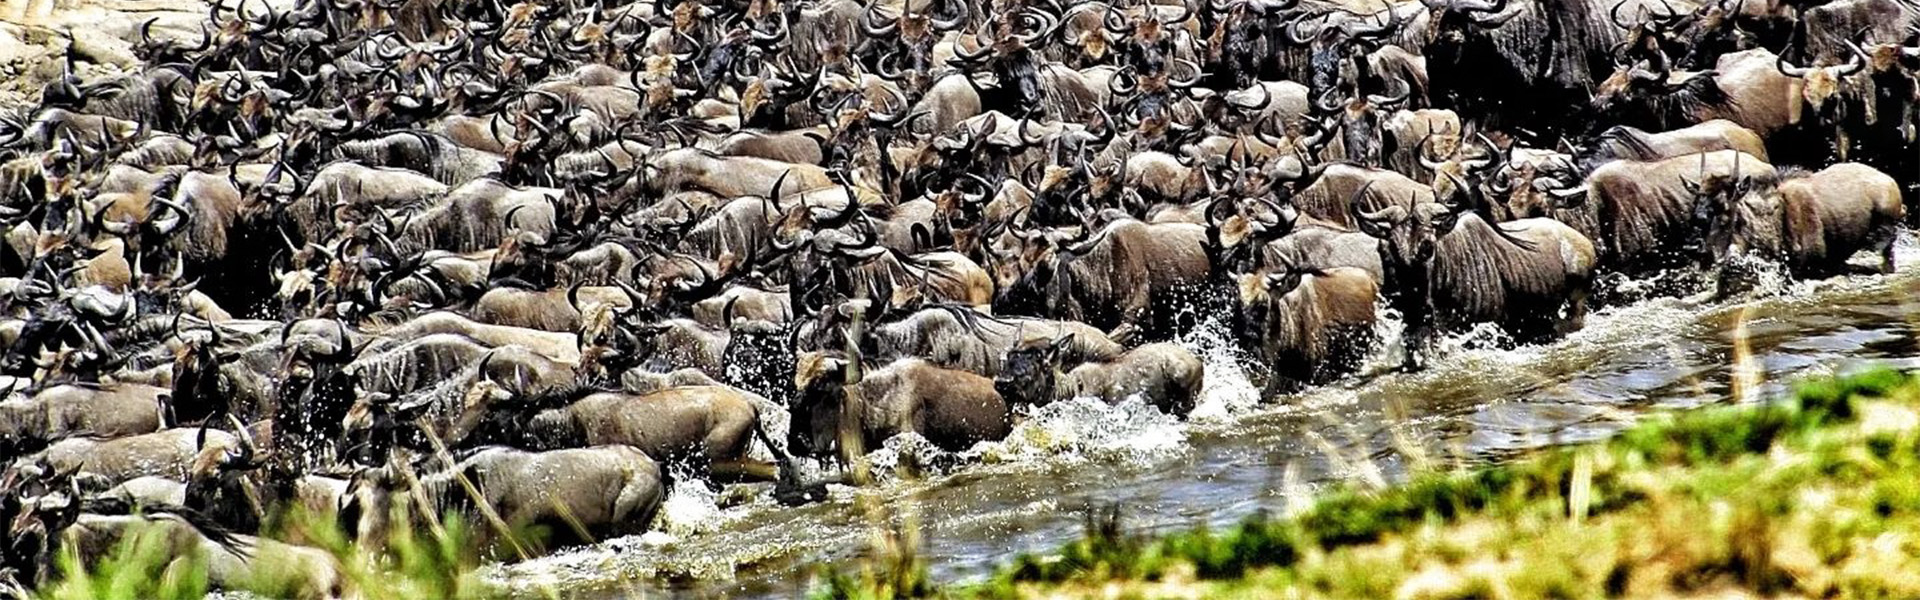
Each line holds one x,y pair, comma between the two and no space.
1809,496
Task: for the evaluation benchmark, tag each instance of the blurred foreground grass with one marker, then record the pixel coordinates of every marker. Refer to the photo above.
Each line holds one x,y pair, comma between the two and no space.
1814,496
149,563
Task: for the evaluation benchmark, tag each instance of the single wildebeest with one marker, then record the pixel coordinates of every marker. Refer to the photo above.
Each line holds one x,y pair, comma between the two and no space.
839,400
706,427
231,561
1123,280
117,410
561,497
168,453
1454,268
1165,376
1637,214
1812,223
1309,325
959,337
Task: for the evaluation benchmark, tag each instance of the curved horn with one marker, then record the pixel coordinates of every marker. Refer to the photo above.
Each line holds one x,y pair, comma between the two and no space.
1291,31
958,20
875,28
1421,152
1614,15
1786,68
1855,62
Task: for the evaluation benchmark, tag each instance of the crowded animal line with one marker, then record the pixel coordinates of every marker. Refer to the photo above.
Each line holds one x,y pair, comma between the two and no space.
537,263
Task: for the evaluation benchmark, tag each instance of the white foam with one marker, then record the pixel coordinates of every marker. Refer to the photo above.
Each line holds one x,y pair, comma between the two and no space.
1228,391
1088,429
691,508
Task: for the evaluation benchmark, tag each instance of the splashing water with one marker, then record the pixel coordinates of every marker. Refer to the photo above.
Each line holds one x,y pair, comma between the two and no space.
1228,390
1088,429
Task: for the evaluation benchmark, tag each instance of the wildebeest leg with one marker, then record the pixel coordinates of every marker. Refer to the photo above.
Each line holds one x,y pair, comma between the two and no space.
1883,238
1576,316
636,507
788,488
1418,342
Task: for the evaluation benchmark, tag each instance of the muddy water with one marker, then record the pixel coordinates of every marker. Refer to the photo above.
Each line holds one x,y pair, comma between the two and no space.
1237,456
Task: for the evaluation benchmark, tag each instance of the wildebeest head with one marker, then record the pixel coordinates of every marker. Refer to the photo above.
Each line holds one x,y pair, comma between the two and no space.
1013,62
908,40
1238,36
34,526
1732,214
1063,192
1408,235
1335,48
1240,224
959,214
1028,373
1260,294
1821,87
200,389
611,339
1474,170
1456,22
1145,39
821,380
1040,278
822,262
1151,97
220,482
1714,30
947,157
1363,124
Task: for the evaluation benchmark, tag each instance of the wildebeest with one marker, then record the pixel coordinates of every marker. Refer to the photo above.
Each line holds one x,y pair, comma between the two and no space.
1165,376
28,424
168,452
1122,278
544,499
841,403
708,427
1457,267
1636,214
1310,325
1810,222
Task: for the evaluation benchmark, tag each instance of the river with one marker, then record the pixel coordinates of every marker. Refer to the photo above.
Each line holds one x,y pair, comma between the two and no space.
1476,404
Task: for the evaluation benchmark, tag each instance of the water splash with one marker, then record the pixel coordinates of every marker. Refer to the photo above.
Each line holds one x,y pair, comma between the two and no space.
691,508
1228,390
1088,429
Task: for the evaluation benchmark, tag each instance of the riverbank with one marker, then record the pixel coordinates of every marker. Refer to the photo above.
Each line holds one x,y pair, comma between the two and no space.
1808,496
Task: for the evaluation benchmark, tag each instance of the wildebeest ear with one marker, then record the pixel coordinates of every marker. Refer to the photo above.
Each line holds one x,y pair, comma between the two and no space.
1053,349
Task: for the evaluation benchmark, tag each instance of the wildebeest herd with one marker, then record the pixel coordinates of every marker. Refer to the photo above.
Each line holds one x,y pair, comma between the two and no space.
523,262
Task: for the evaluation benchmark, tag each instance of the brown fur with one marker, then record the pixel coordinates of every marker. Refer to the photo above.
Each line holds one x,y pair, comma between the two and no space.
1637,212
1315,332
